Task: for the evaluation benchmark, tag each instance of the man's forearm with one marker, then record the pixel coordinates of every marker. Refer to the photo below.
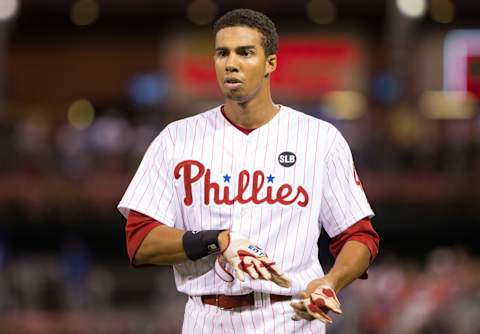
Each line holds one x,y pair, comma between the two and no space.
163,245
352,261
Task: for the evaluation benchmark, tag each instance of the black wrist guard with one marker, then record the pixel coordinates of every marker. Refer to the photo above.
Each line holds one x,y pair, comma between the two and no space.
198,244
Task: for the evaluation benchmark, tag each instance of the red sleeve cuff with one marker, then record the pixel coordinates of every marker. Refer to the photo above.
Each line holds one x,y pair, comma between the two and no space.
137,227
363,232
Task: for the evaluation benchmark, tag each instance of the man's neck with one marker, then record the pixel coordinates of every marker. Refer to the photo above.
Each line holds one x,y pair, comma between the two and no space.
250,115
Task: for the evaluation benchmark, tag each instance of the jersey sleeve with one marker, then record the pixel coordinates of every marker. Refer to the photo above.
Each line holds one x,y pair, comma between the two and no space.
137,228
151,190
343,199
362,231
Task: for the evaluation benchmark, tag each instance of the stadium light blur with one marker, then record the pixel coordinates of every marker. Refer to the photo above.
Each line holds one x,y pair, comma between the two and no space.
149,88
8,9
412,8
461,49
447,105
442,11
202,12
404,125
345,105
81,114
84,12
386,87
321,11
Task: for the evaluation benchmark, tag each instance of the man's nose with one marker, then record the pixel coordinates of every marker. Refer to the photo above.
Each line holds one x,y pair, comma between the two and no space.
231,64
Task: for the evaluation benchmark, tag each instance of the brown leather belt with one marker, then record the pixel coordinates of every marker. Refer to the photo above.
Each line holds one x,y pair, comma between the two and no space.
226,302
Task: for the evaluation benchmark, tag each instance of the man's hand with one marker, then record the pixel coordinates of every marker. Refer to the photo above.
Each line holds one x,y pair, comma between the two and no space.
320,295
317,300
245,257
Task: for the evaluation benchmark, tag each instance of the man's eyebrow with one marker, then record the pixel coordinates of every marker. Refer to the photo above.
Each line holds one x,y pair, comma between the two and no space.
240,48
245,47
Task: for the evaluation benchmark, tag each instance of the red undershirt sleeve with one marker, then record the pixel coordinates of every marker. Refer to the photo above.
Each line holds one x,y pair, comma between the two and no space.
363,232
137,227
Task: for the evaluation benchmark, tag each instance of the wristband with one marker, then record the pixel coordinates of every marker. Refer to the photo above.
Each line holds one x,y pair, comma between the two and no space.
198,244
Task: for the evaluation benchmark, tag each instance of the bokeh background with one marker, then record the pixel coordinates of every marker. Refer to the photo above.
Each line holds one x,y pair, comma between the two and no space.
85,85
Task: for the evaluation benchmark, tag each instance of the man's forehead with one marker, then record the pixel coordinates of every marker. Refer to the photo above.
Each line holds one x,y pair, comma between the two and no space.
233,37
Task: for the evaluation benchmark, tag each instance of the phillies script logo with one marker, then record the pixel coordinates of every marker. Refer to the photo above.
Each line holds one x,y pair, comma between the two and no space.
357,178
221,194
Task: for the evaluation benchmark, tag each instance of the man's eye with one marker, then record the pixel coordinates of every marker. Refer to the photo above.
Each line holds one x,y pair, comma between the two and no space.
247,53
221,53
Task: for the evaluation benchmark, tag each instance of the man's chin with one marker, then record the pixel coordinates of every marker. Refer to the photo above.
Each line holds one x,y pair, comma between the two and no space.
235,96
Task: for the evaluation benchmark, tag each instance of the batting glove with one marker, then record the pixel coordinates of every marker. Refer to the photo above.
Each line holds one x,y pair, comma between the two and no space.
245,257
317,305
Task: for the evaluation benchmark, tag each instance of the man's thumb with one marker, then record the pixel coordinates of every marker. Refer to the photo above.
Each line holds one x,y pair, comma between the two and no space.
302,295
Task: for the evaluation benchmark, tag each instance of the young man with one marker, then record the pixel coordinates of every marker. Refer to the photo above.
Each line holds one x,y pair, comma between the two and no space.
217,192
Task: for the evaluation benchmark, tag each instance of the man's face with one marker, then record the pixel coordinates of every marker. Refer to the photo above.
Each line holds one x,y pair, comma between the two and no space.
240,62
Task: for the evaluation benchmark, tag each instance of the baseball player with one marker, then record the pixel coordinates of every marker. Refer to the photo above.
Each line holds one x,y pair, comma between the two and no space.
235,197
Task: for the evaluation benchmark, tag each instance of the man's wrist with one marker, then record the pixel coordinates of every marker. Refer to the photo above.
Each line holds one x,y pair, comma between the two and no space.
198,244
331,280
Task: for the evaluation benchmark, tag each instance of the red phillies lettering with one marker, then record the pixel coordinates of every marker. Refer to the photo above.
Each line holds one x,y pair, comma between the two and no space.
302,191
284,195
283,192
216,191
187,177
243,181
257,185
356,177
209,186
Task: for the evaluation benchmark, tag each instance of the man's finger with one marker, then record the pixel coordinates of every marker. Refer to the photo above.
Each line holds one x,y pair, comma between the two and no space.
302,295
298,306
277,274
326,304
326,297
236,264
299,315
300,311
271,266
264,273
281,280
317,313
249,267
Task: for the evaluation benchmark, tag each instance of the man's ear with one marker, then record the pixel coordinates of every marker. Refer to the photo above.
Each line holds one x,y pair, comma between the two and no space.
271,64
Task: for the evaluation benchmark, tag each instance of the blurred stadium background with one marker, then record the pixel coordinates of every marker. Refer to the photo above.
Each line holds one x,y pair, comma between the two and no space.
85,85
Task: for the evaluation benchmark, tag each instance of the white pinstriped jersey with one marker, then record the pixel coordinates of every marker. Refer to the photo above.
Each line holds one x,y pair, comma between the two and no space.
277,186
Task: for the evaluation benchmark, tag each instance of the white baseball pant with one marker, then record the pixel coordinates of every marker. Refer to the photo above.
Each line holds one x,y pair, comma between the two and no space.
263,318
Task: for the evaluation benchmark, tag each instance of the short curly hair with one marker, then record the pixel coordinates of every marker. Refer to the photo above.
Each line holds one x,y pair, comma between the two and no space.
252,19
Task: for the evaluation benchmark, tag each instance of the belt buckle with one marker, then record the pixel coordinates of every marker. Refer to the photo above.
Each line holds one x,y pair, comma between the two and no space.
217,300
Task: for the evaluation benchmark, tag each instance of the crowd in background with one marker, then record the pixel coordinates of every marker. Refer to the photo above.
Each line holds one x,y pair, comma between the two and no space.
70,291
39,145
91,167
70,294
404,141
63,264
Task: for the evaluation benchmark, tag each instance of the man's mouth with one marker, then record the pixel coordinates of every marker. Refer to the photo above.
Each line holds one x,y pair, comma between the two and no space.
233,83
